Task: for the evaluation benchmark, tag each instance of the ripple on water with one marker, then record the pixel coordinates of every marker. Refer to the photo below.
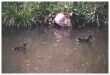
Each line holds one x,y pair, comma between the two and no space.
55,44
36,69
40,57
67,53
67,70
83,65
50,57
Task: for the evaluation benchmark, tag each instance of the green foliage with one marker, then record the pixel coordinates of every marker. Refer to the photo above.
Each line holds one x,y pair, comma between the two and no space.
21,13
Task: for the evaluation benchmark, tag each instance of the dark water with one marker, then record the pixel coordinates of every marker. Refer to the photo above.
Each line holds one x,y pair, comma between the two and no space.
55,52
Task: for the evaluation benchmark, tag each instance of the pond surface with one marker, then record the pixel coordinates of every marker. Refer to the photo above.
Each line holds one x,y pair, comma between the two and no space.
56,51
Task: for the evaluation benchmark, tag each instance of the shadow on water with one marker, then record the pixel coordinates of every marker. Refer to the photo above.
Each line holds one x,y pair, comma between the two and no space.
56,51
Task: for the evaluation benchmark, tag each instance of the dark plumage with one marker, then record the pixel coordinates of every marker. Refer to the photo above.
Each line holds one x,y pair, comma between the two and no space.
20,48
86,40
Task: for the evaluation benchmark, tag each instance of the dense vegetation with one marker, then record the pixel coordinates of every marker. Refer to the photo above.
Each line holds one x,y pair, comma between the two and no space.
28,15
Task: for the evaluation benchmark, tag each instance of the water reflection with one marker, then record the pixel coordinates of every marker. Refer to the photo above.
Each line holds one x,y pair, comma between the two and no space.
61,34
55,52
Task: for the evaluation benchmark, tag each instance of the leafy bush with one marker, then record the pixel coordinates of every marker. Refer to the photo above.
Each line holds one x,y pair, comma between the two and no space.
23,14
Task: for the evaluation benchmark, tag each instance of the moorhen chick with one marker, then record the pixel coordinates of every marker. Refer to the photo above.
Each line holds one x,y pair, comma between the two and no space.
20,48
